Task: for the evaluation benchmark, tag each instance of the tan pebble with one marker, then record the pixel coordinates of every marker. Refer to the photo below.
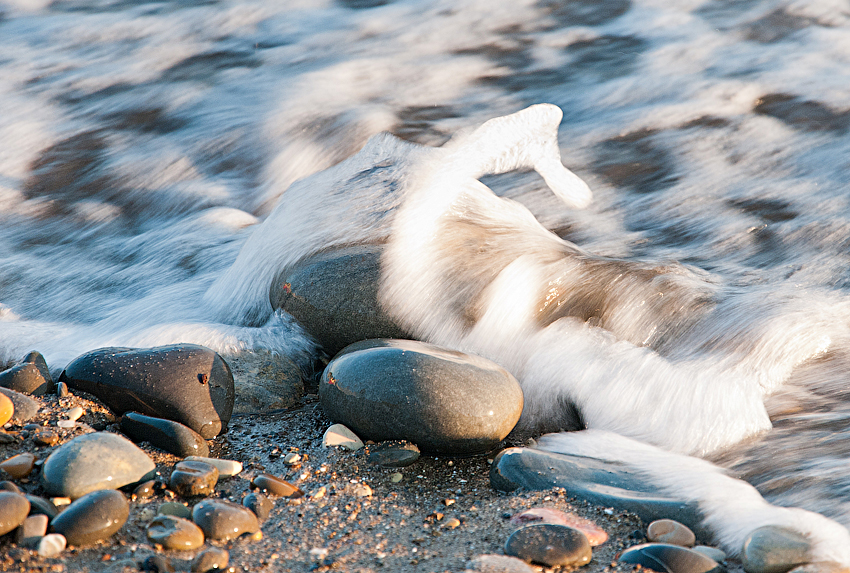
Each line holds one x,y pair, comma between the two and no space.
291,458
74,413
60,501
19,466
319,493
66,424
362,490
396,477
226,468
448,502
7,409
451,523
595,535
670,531
276,486
339,435
498,564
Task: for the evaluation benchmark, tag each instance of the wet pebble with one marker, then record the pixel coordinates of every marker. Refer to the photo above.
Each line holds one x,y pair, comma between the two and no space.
45,437
176,509
6,409
773,549
224,520
226,468
74,413
670,531
193,478
442,400
339,435
14,508
19,466
28,377
9,486
95,516
175,533
711,552
667,557
276,486
498,564
30,532
145,490
157,564
821,567
39,505
549,544
164,434
594,534
212,559
51,545
259,504
94,461
24,406
393,454
62,390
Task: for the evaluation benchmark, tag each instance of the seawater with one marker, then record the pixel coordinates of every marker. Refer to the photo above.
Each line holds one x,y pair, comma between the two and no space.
140,142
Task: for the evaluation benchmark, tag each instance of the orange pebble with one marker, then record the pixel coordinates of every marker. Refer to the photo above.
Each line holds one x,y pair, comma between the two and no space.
6,409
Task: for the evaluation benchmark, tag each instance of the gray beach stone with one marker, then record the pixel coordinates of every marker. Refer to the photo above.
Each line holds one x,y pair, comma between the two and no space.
711,552
42,506
175,533
25,407
264,382
549,544
226,468
669,558
334,296
14,508
51,545
212,559
441,400
193,478
94,461
276,486
31,376
175,509
164,434
93,517
186,383
339,435
6,485
670,531
393,454
773,549
224,520
258,503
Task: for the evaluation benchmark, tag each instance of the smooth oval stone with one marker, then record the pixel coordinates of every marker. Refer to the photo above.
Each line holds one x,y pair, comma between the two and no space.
51,545
95,516
94,461
773,549
175,509
24,406
39,505
549,544
441,400
821,567
186,383
175,533
670,531
259,504
224,520
498,564
14,509
19,466
145,490
339,435
167,435
7,409
397,454
193,478
595,535
276,486
9,486
226,468
334,296
668,558
212,559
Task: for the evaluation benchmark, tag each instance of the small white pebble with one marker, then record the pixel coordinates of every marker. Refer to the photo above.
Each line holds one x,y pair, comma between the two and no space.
67,424
226,468
396,477
52,545
339,435
59,501
75,413
608,511
318,553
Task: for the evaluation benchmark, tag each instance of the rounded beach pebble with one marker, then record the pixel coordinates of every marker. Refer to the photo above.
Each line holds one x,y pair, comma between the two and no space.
773,549
671,558
549,544
14,508
670,531
594,534
175,533
93,517
224,520
167,435
193,478
441,400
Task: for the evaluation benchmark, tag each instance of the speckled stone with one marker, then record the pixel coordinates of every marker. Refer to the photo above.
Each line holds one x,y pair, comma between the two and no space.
773,549
30,532
93,517
670,531
224,520
276,486
259,504
441,400
25,407
94,461
212,559
19,466
667,557
549,544
175,533
186,383
193,478
594,534
498,564
14,508
167,435
31,376
175,509
393,454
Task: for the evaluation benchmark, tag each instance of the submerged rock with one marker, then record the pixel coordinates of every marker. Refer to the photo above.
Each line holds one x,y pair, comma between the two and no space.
186,383
264,382
441,400
393,454
594,534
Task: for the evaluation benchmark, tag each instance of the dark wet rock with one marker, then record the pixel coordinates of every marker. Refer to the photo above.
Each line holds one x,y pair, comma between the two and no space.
604,483
19,466
777,25
175,533
42,506
62,390
441,400
6,438
259,504
27,378
265,382
334,296
363,4
14,508
25,407
145,490
224,520
667,558
30,532
94,461
670,531
212,559
157,564
164,434
276,486
803,114
498,564
193,478
549,544
186,383
95,516
393,454
9,486
773,549
175,509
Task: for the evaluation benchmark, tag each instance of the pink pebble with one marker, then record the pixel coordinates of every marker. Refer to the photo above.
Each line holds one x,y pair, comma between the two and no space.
594,534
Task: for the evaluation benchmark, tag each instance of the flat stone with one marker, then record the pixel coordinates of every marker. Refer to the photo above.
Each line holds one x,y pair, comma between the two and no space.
549,544
93,517
212,559
30,532
669,558
226,468
164,434
175,533
94,461
75,413
498,564
334,296
594,534
441,400
42,506
339,435
276,486
265,382
393,454
224,520
608,484
19,466
773,549
193,478
14,508
175,509
25,406
51,545
258,503
670,531
186,383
